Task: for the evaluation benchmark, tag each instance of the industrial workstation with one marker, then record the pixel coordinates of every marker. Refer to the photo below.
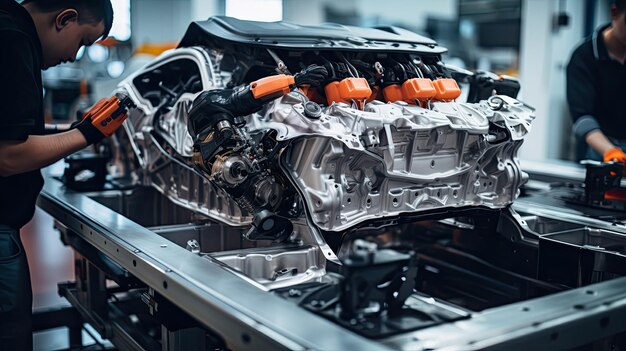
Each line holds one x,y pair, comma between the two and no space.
312,175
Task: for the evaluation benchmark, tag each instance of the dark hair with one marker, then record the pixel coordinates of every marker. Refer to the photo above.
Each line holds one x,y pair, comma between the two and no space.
620,5
90,11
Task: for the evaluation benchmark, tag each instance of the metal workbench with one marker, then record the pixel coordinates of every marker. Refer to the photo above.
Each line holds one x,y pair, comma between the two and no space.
246,316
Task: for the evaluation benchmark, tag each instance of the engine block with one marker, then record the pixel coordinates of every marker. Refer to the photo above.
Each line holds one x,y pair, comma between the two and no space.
312,155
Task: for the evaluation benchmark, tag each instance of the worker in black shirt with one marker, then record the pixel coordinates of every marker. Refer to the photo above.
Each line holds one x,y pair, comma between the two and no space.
34,35
596,89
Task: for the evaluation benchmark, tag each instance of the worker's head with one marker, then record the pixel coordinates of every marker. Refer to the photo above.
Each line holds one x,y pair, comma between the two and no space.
66,25
618,20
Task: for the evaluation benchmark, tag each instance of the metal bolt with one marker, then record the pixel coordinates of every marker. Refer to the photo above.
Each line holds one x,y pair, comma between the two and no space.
294,293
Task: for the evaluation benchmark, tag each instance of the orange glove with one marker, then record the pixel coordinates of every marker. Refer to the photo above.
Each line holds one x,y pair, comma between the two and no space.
103,119
615,154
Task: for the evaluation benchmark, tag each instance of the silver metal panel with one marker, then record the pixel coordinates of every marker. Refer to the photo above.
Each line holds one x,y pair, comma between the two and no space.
246,316
249,317
556,322
565,215
556,170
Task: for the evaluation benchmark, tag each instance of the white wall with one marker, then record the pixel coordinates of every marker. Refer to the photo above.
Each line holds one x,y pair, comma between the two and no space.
413,12
158,21
410,12
602,12
304,12
203,9
544,54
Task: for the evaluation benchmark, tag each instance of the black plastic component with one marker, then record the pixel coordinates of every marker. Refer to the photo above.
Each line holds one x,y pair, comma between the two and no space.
85,171
209,149
370,298
366,271
219,31
269,226
600,178
484,84
217,105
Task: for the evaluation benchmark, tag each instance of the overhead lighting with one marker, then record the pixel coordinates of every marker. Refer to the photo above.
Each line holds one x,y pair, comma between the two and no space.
98,53
115,68
255,10
120,29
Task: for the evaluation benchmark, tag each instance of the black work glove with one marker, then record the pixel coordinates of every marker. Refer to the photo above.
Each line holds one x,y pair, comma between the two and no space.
209,108
313,75
102,120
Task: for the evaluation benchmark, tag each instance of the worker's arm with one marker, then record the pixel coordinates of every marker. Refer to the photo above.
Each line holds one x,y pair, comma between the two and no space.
605,147
38,151
581,96
599,142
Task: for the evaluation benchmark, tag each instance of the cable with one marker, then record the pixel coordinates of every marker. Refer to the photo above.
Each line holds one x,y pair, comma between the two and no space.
330,64
354,73
416,69
281,66
398,64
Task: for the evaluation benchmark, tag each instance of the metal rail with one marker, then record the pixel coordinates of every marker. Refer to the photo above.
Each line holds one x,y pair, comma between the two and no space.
249,318
554,322
244,315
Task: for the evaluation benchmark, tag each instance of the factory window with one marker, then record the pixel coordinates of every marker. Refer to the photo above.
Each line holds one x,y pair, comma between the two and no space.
121,20
255,10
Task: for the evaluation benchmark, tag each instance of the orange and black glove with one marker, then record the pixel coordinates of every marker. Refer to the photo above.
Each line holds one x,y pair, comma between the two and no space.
103,119
615,154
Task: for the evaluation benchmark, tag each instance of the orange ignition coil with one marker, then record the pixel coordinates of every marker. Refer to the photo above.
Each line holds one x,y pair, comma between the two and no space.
447,89
271,87
346,90
393,93
377,94
418,89
312,93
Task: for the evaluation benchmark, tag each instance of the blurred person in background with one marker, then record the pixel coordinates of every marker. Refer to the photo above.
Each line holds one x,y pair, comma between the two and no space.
596,89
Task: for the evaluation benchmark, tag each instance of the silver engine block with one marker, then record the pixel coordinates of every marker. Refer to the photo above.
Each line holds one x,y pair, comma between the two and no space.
347,165
393,158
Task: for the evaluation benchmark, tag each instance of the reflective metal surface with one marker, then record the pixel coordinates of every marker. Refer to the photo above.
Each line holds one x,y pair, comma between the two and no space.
250,317
276,267
556,322
348,164
206,290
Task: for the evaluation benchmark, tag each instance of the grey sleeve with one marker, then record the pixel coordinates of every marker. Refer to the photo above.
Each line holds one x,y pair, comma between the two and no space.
581,93
584,125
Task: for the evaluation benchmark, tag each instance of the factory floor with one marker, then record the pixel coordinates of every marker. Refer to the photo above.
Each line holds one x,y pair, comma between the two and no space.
50,263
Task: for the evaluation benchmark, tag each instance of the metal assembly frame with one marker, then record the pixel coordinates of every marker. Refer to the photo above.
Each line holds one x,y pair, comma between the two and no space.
248,317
